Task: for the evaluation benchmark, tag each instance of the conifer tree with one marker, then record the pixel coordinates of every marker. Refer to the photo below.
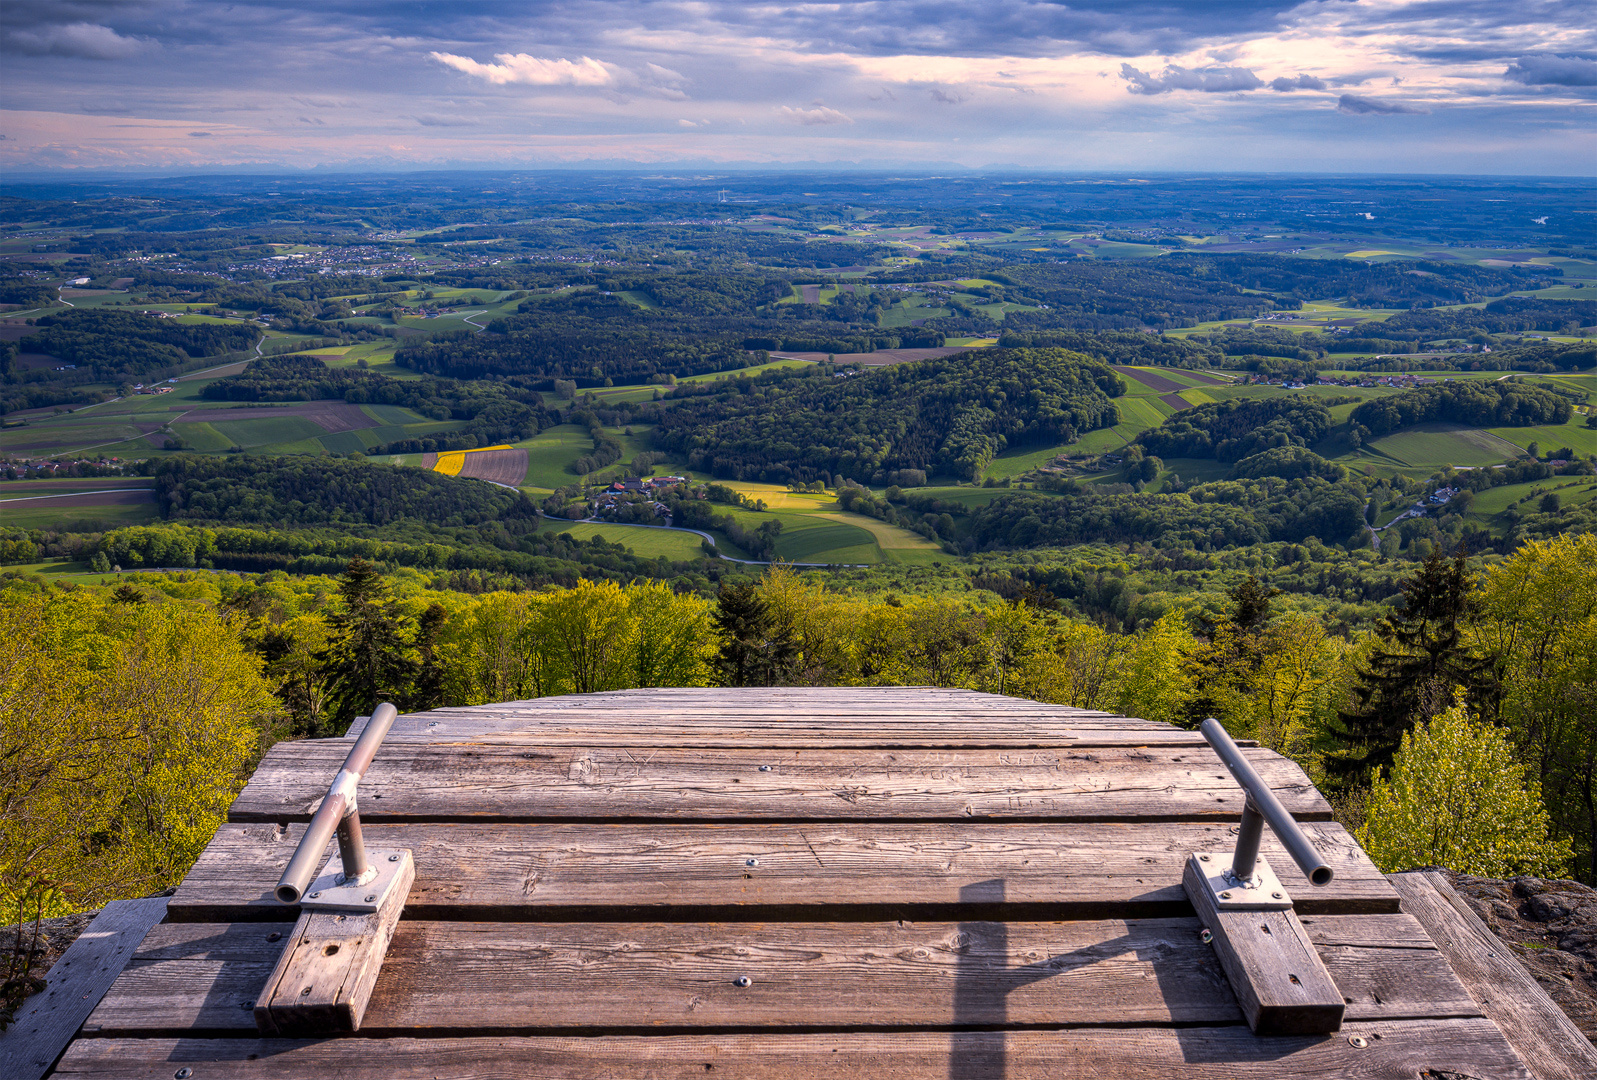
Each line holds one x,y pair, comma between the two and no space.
370,657
757,649
1413,673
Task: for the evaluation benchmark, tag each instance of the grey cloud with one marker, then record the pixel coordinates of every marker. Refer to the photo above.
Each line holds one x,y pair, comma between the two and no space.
946,97
1363,106
200,134
1209,80
1548,70
439,120
79,40
1302,82
316,121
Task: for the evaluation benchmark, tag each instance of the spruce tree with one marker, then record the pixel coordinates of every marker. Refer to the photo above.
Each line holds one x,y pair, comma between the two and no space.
756,649
1414,671
370,658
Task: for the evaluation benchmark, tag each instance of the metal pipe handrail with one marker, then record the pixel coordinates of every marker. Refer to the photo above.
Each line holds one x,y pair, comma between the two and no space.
1261,806
339,811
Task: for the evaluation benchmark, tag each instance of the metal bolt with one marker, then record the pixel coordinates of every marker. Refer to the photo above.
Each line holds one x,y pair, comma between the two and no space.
765,768
1203,858
743,980
370,898
1358,1041
1276,895
315,895
184,1073
305,992
393,858
751,862
246,1005
1225,895
1207,937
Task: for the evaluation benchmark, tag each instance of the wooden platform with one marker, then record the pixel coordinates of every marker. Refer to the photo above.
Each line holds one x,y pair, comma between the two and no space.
872,882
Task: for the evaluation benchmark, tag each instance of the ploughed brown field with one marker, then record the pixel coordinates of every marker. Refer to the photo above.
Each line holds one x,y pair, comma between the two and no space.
1175,401
328,415
1156,382
507,467
879,358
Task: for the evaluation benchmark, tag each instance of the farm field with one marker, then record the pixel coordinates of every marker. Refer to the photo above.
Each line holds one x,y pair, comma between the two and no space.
1575,435
550,452
72,515
814,537
27,489
653,543
1012,463
506,466
1440,445
1490,504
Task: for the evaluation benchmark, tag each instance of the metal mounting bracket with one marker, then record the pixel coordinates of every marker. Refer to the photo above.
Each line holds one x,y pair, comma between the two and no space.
331,892
1262,892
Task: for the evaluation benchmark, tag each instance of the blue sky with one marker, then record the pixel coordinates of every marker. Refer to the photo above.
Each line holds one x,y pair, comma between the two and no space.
1435,86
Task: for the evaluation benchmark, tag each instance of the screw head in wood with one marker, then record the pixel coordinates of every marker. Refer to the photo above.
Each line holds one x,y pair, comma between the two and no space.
743,980
751,862
765,768
183,1074
1207,937
1225,895
315,895
393,858
370,898
1203,858
1276,895
1358,1041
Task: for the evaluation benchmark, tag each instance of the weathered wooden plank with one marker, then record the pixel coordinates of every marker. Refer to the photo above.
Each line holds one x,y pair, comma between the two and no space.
733,731
519,977
1274,969
417,779
47,1021
324,977
876,869
1391,1051
1543,1035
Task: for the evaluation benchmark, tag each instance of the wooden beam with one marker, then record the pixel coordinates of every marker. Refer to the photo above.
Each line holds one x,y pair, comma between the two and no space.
1271,962
416,779
473,978
1390,1051
328,966
1543,1035
47,1021
877,870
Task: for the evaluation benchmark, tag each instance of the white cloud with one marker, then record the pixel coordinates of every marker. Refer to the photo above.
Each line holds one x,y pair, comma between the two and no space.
816,116
533,70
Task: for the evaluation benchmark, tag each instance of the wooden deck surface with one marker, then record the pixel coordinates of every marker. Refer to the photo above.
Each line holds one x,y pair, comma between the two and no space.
882,882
